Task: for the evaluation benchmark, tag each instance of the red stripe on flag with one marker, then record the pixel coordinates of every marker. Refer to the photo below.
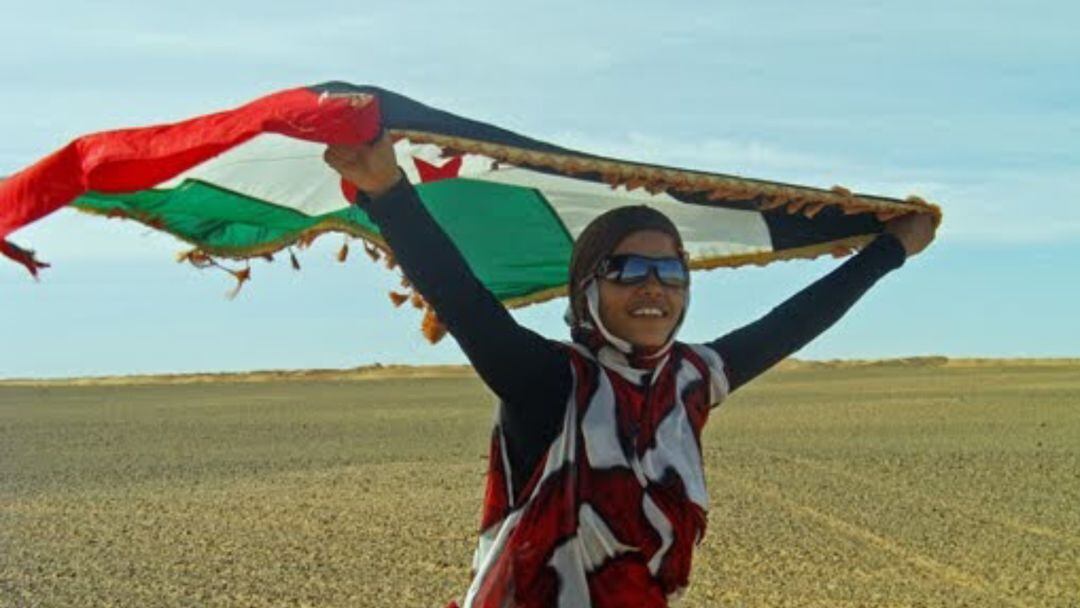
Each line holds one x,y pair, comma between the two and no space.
129,160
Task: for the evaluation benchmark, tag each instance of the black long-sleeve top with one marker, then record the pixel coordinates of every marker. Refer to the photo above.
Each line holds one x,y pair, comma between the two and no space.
531,374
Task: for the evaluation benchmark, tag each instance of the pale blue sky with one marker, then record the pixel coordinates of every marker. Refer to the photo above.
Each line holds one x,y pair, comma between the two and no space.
975,105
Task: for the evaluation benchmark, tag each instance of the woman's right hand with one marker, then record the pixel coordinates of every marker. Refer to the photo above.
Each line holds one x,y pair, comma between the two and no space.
914,230
372,167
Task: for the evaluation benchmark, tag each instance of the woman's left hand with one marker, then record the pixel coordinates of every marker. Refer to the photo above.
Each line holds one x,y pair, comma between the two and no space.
371,167
914,231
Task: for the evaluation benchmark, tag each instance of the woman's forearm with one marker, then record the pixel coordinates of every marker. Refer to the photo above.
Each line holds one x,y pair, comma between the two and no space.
529,373
505,354
750,350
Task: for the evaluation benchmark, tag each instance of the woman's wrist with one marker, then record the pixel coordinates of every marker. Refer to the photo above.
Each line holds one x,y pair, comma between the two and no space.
384,184
385,200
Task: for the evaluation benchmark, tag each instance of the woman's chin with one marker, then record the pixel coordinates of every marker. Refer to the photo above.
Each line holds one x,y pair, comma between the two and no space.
648,343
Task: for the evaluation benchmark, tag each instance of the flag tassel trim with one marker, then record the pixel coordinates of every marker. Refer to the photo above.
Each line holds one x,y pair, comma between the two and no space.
770,195
376,248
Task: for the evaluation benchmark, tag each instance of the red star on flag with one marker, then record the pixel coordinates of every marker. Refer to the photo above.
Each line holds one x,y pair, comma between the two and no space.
428,173
431,173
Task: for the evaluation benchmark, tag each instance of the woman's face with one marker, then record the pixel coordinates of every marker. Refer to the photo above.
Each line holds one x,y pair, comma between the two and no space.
624,309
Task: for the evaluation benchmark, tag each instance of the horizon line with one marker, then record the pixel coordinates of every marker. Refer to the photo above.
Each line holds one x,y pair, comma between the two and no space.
381,371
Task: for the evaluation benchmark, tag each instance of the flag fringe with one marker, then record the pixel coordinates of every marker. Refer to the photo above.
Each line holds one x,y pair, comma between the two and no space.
434,330
765,195
26,257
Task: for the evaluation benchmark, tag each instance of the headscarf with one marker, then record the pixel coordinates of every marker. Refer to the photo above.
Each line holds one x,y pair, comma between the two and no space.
595,243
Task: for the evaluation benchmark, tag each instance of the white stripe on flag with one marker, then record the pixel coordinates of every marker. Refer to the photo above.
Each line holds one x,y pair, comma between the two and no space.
291,173
706,231
277,169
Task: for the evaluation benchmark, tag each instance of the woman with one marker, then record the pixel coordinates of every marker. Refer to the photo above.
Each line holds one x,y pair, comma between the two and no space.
595,489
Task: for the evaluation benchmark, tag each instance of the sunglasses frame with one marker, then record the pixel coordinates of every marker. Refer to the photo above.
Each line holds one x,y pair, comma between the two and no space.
612,267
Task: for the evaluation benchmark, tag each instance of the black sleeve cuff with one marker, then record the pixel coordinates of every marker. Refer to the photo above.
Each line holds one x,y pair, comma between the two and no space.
383,204
885,252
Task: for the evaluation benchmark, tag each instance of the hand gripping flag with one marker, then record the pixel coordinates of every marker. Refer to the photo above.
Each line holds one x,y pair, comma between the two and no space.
250,182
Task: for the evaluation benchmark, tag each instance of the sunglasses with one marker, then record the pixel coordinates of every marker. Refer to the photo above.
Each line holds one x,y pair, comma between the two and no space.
631,269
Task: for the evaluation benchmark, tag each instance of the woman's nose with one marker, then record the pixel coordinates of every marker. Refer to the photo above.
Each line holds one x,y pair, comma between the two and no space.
652,283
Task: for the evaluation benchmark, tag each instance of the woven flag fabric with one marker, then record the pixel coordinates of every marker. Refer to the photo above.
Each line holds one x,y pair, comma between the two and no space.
250,182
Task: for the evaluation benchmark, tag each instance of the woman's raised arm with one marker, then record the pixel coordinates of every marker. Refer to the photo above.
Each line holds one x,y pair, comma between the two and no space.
519,365
750,350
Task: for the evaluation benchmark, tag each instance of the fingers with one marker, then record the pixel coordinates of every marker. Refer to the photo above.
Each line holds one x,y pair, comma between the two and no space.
379,136
337,155
915,231
921,225
911,222
383,144
343,154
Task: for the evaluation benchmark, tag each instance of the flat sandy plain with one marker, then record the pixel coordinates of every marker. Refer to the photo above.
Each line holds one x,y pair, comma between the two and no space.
908,483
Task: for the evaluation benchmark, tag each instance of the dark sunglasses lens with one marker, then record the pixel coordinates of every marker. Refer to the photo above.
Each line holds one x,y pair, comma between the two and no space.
672,272
635,269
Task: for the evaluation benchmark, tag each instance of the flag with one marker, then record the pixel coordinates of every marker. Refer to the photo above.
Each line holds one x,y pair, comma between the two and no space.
250,182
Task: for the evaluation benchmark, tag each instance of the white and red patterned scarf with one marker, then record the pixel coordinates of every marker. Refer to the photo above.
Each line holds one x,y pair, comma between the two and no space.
614,508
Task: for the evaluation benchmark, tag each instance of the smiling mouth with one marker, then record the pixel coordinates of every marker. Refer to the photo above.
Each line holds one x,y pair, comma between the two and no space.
648,312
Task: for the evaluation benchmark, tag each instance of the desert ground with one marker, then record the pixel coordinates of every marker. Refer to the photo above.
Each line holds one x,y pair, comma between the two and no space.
918,482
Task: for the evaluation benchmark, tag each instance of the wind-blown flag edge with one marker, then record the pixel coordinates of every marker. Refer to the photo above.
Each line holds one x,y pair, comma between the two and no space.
127,160
91,169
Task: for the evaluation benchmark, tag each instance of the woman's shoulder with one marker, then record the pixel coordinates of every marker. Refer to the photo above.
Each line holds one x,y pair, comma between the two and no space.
698,349
710,365
575,351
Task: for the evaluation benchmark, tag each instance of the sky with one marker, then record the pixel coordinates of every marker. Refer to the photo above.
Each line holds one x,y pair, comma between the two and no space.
972,105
